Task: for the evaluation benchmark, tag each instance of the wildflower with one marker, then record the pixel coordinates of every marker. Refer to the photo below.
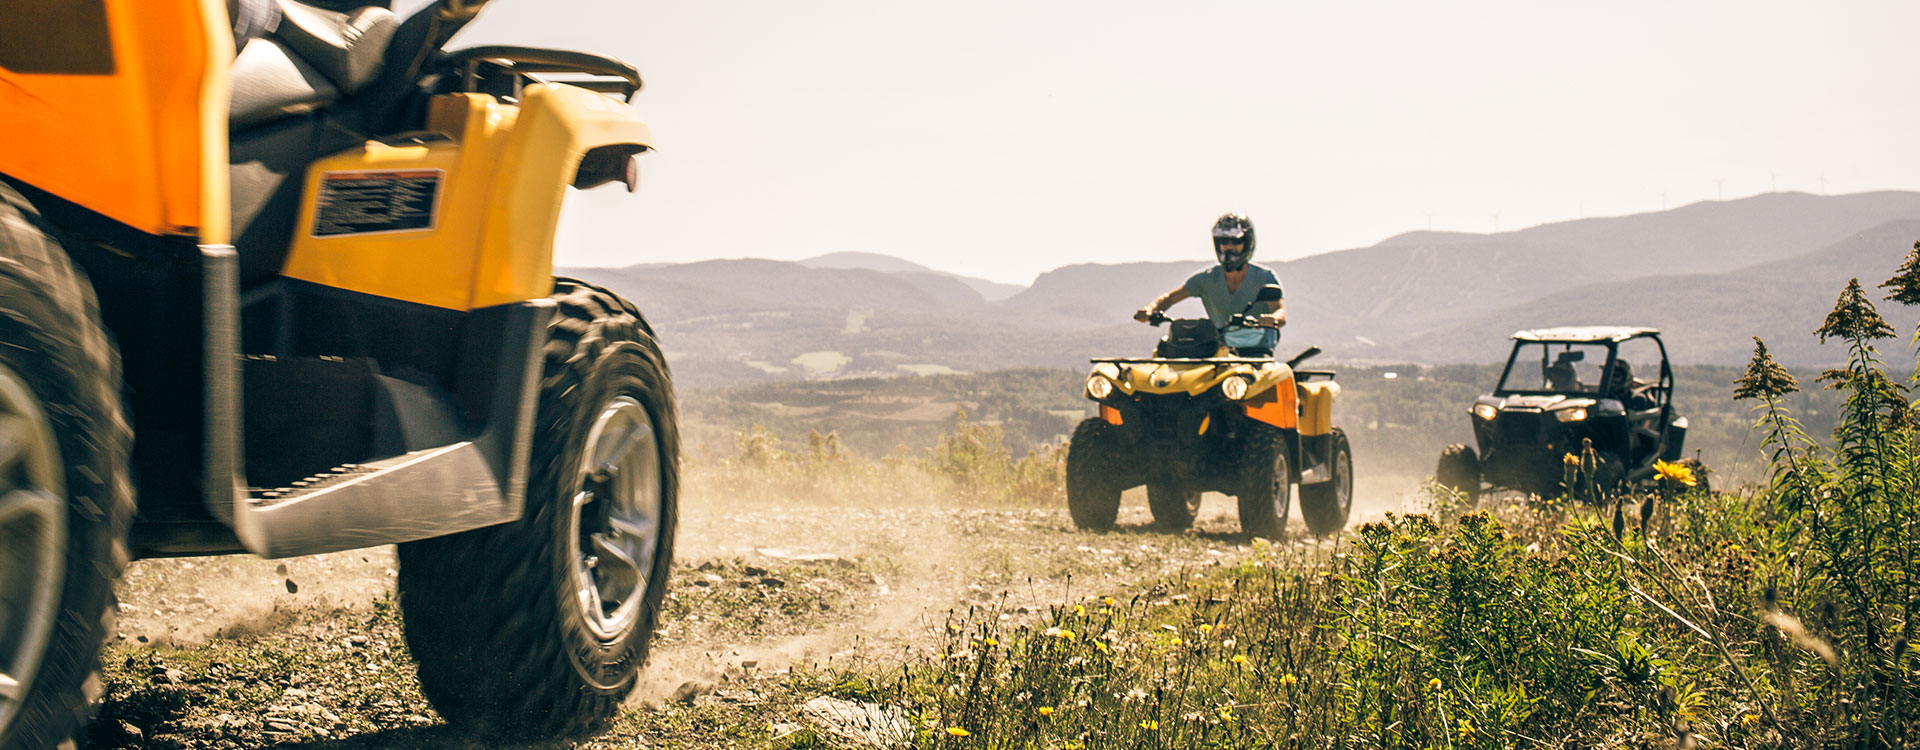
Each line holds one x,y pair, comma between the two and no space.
1079,611
1108,601
1675,473
1433,684
958,732
1288,679
1906,282
1239,658
1046,710
1226,713
1853,318
1747,720
1101,646
1570,460
1066,635
1765,378
1206,628
992,642
1149,724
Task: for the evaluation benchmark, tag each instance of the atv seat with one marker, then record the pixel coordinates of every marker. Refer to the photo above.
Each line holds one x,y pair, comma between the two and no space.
312,58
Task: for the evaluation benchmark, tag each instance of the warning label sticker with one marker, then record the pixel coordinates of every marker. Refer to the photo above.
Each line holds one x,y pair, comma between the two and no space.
376,201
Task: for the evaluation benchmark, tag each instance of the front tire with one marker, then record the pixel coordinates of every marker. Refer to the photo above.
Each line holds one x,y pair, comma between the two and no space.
1173,503
1268,481
65,495
1097,472
1325,506
538,628
1459,470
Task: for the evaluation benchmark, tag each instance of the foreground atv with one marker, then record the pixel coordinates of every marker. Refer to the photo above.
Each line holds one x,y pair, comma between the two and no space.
282,283
1198,418
1564,387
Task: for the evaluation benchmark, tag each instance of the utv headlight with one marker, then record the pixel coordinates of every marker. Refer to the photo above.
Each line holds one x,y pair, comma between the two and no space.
1575,414
1485,411
1235,388
1099,387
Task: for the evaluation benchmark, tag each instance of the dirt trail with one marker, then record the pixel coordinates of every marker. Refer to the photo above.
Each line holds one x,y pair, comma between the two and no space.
760,583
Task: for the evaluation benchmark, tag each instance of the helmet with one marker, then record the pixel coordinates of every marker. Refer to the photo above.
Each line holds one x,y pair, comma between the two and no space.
1231,227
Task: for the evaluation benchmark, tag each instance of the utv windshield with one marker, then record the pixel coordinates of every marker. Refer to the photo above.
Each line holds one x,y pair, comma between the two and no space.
1555,367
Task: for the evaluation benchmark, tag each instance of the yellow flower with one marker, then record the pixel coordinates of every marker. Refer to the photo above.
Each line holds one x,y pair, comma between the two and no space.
1102,646
1079,610
1226,714
1046,710
1288,679
1066,635
958,732
1149,725
1433,684
1108,601
1676,473
1239,658
992,642
1748,720
1570,460
1206,628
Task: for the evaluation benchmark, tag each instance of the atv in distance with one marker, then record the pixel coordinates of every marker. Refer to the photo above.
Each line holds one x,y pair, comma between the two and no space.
1563,386
1199,416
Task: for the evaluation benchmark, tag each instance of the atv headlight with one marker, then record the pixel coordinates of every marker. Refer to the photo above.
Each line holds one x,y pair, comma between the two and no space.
1571,415
1485,411
1235,388
1099,387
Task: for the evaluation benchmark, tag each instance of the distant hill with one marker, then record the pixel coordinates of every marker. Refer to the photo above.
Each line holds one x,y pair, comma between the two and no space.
1709,318
989,291
1710,275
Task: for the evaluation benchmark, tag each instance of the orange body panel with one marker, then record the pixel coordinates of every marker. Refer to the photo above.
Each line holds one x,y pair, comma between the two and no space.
1110,414
1276,406
145,144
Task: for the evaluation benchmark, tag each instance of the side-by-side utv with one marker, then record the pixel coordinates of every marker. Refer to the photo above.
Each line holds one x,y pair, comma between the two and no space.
1564,387
1199,416
277,278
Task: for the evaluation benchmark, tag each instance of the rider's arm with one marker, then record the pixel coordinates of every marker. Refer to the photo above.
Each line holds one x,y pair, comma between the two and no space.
1161,303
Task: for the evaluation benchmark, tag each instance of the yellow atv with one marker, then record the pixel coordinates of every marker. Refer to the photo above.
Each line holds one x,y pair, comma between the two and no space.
1198,417
277,278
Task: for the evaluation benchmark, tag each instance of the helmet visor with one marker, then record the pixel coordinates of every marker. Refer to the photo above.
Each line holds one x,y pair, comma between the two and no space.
1230,233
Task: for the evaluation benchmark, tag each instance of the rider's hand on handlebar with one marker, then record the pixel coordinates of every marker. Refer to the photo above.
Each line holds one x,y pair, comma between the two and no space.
1145,314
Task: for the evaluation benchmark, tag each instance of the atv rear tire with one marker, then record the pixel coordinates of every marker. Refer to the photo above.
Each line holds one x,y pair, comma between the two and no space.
538,628
1325,506
1268,483
1174,504
65,496
1097,472
1459,470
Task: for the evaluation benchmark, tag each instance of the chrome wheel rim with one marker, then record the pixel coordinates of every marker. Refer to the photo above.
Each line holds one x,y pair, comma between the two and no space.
614,530
33,539
1343,483
1282,484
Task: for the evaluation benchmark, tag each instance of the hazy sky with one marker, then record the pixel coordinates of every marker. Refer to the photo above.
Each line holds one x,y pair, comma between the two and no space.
1002,139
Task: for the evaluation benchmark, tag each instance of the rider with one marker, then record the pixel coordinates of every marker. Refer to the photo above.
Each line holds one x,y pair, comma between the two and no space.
1227,288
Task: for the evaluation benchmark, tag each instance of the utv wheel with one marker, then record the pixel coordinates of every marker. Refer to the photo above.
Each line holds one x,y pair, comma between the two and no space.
1269,484
65,498
1325,506
539,627
1459,470
1097,472
1174,504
